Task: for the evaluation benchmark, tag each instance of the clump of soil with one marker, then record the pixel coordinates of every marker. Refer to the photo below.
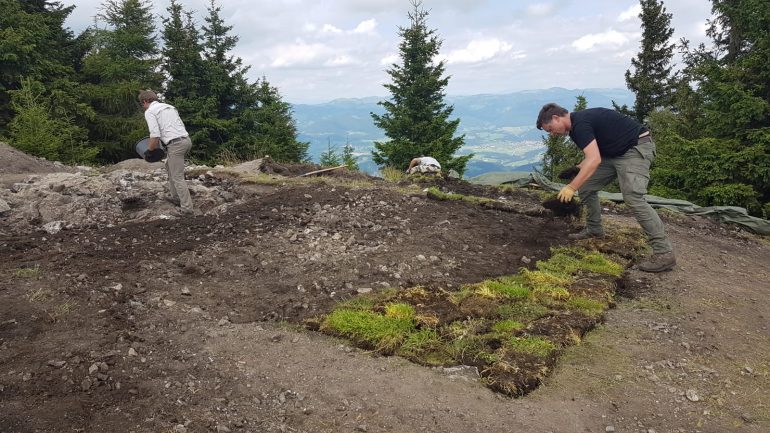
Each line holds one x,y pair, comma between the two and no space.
561,209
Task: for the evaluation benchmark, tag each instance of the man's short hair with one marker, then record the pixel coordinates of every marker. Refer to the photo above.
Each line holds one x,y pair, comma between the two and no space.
547,112
147,95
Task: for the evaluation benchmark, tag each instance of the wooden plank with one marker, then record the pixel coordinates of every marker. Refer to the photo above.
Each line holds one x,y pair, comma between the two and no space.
322,170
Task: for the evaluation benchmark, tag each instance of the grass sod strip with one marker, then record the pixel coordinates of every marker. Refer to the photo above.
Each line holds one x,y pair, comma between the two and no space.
512,328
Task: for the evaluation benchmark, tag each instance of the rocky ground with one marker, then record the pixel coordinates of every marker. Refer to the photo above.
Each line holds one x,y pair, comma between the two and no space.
116,316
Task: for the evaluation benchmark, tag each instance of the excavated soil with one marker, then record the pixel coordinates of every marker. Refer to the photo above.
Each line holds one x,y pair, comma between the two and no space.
143,322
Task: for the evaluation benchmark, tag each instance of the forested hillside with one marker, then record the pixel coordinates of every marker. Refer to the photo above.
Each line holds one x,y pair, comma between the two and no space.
74,98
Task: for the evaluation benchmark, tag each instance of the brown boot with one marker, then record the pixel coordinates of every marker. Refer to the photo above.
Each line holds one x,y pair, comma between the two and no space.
658,263
584,234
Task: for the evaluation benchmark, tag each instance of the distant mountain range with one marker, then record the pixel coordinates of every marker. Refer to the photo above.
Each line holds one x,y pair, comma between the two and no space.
499,129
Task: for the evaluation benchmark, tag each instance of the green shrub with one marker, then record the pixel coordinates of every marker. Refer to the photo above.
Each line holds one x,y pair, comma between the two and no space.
37,131
731,194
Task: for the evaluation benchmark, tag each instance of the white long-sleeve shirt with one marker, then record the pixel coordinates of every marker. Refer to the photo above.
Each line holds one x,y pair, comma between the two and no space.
429,160
164,122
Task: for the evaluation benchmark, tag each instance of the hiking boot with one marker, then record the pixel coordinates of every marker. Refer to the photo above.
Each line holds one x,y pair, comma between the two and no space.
584,234
658,263
170,199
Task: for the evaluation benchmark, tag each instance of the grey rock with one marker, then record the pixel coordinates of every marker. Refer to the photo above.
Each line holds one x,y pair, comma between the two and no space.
692,395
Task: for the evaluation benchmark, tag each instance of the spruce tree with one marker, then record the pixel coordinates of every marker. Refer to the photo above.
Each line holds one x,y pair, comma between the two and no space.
34,44
650,80
182,55
124,59
348,158
225,74
724,93
330,157
187,83
416,118
271,127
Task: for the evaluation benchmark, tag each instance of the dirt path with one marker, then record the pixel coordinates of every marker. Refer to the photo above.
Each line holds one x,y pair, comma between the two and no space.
193,326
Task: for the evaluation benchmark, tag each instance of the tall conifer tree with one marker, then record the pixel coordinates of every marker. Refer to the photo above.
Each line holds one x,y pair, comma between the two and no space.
724,91
271,127
417,119
34,44
651,79
124,59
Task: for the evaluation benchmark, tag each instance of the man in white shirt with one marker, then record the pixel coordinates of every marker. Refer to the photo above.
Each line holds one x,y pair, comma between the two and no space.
166,126
424,164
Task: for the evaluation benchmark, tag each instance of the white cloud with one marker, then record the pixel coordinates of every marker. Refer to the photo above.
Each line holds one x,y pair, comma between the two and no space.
341,60
367,26
297,54
389,59
540,9
328,28
609,39
478,50
630,13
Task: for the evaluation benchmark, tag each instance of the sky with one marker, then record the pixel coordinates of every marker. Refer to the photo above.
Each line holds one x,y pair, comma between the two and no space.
317,51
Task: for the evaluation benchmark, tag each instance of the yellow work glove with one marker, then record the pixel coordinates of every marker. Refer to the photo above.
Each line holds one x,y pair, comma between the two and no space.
566,194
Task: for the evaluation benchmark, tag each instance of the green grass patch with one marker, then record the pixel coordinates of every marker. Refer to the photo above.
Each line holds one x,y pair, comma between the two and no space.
523,311
473,350
566,260
530,345
504,288
589,307
30,272
441,195
427,347
61,310
372,330
551,278
493,312
507,326
552,292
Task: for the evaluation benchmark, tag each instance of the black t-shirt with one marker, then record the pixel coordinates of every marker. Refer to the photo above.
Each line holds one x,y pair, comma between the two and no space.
614,132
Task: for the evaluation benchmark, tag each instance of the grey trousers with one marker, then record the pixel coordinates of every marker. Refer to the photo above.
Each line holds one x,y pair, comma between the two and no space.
177,186
632,170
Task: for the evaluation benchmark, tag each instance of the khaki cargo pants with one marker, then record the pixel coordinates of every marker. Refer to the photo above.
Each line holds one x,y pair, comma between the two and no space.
632,170
177,186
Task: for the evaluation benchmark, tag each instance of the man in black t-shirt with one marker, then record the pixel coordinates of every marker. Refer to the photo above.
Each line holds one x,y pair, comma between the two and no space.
615,147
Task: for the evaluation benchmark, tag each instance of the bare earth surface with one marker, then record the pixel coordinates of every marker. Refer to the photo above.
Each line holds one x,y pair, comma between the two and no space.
120,318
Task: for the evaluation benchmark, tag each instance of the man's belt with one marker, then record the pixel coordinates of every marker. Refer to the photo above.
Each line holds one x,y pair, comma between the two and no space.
646,139
176,139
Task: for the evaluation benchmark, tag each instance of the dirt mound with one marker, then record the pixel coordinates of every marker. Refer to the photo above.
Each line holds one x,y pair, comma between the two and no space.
13,161
268,166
